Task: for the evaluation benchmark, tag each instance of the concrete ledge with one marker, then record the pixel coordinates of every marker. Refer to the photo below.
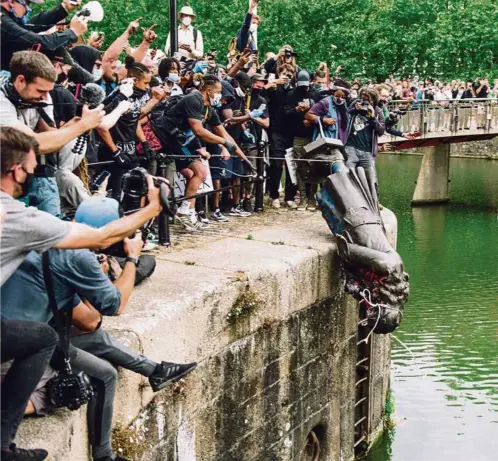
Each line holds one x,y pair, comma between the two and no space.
271,368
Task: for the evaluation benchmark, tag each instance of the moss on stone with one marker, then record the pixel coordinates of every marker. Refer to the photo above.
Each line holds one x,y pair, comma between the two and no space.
127,443
244,305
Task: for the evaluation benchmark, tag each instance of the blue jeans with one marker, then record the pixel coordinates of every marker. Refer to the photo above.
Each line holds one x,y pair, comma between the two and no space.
31,345
358,158
44,195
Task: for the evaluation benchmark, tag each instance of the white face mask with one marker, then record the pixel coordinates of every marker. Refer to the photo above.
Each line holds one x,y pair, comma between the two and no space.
187,20
254,27
97,74
215,100
240,92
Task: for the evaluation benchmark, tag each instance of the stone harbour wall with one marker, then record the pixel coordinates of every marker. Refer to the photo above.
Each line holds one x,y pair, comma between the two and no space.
275,337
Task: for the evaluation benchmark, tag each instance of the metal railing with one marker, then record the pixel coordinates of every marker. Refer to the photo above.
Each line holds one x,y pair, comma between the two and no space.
454,117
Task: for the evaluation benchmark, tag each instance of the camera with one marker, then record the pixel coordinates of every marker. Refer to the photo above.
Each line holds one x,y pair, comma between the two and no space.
134,188
395,115
70,390
179,135
363,107
289,54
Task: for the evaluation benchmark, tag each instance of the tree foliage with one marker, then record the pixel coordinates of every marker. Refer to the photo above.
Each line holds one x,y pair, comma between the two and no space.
372,38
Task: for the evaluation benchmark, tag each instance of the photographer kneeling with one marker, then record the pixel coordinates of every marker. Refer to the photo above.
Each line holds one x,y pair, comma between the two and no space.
75,275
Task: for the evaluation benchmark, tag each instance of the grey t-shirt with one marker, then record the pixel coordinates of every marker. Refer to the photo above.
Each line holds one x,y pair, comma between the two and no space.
26,229
74,273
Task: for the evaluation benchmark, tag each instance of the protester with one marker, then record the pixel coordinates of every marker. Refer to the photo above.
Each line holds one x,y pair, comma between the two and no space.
280,136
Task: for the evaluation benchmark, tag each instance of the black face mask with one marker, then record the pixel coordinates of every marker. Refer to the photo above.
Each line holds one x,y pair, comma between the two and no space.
61,78
27,184
256,91
138,93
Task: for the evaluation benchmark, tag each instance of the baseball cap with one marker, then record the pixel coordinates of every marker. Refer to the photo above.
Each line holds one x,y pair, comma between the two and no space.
303,78
97,211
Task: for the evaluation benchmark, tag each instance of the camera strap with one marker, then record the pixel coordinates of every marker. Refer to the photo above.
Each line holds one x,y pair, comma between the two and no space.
63,322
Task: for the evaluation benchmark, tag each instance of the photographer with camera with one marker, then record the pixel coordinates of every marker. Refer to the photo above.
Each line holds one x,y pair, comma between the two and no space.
25,104
54,279
365,126
286,56
20,32
24,230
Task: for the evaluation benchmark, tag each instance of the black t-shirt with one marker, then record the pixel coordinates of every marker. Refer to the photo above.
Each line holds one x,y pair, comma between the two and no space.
190,106
277,99
361,134
126,128
483,94
295,119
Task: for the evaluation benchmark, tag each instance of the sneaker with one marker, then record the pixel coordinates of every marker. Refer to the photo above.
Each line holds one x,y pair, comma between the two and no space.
303,205
19,454
239,212
312,206
185,220
217,216
246,204
275,203
201,216
291,204
169,373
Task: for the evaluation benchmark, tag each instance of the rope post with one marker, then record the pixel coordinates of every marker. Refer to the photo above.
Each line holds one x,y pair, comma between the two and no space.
259,186
173,28
164,235
164,238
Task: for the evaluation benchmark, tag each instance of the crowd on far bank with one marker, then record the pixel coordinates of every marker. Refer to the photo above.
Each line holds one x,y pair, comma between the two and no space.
94,141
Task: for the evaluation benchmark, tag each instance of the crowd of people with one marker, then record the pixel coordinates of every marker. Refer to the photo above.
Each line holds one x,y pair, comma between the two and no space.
75,120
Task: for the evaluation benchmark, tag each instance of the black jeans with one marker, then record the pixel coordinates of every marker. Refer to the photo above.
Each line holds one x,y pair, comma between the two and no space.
101,406
279,142
31,345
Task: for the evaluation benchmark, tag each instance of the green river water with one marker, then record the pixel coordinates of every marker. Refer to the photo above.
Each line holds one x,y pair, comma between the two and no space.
446,388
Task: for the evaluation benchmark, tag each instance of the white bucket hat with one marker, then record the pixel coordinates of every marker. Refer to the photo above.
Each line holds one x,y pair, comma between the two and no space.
188,11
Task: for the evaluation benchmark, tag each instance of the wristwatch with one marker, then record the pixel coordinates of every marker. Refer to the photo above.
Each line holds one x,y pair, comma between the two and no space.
135,261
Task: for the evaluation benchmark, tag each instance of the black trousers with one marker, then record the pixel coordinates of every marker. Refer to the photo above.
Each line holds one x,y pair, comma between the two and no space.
31,345
279,142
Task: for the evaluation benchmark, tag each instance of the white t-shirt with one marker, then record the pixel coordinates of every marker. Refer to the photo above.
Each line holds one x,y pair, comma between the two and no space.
10,114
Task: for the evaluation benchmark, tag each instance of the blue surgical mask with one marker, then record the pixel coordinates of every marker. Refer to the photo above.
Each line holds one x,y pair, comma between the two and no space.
173,78
22,19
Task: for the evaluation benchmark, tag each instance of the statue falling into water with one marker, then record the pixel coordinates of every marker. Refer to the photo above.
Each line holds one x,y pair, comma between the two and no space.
348,200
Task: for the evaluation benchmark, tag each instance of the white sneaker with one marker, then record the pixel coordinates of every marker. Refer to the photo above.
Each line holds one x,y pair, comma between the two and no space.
275,203
218,216
291,204
239,212
186,221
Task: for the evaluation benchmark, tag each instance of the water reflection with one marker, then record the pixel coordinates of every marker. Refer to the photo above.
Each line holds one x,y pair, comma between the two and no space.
446,389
